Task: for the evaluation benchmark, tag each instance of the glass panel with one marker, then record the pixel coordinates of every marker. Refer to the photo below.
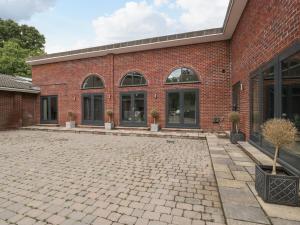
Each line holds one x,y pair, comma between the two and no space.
236,96
45,109
291,95
190,108
98,107
126,108
137,79
88,83
268,92
127,81
139,108
53,108
182,75
255,112
174,76
92,81
174,108
97,82
87,108
133,78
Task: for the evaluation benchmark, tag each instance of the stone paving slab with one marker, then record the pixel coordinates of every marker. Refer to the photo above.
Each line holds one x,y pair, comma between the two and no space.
79,179
242,205
239,204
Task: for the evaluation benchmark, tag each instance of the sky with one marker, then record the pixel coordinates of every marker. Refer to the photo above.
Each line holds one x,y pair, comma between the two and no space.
75,24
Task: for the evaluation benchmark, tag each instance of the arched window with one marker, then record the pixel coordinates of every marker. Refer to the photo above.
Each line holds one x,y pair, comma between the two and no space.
182,75
133,79
92,81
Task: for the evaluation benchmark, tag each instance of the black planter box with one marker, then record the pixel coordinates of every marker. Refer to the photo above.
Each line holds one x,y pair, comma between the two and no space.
235,137
279,189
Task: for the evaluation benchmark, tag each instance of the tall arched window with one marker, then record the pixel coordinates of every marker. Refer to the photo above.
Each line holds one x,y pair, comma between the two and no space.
133,79
182,75
92,81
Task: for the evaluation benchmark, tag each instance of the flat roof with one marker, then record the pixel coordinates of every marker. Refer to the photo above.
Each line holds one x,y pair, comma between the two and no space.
234,12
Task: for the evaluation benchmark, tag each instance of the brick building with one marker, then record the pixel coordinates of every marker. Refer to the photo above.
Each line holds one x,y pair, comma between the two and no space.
194,79
17,101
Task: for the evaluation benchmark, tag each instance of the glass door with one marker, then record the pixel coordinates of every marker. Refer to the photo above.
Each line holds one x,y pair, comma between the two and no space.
92,109
49,109
133,109
182,108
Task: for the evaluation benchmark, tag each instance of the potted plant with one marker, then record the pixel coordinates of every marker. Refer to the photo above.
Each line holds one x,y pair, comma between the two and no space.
235,134
275,184
154,126
109,125
71,120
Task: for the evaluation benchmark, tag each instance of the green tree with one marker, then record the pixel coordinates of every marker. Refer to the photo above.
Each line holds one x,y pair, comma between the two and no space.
17,43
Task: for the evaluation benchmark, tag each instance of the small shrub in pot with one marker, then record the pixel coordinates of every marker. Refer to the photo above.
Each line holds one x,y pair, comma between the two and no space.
71,120
109,125
235,134
276,184
155,115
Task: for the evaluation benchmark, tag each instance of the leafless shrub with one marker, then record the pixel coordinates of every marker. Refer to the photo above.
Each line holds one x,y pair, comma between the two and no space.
109,113
154,114
234,117
279,132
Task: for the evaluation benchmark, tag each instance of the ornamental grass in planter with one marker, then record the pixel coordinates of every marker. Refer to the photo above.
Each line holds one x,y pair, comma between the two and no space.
109,125
275,184
154,126
235,134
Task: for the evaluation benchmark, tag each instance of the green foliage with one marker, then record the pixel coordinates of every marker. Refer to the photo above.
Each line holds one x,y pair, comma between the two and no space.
154,113
17,43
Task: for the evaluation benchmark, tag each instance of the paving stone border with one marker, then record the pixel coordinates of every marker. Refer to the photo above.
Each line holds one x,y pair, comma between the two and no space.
235,174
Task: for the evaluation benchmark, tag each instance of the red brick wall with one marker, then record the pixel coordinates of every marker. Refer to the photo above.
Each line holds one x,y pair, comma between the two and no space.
208,60
266,28
16,109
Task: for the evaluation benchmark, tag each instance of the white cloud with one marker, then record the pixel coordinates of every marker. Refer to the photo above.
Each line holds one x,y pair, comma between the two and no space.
202,14
160,2
23,9
135,20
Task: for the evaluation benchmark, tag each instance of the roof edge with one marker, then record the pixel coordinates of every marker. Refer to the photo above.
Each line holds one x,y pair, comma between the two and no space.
233,14
32,91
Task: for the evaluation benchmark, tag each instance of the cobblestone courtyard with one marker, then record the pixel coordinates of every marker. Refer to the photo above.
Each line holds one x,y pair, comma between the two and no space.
64,178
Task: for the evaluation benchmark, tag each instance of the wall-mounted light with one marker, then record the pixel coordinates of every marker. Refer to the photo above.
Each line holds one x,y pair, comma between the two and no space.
74,98
155,96
241,87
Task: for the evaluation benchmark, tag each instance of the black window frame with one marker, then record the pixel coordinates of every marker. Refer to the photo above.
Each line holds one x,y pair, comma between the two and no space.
48,97
181,96
131,74
93,76
93,121
133,124
287,159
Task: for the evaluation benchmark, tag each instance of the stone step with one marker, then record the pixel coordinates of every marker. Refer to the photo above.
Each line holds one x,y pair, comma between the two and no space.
47,125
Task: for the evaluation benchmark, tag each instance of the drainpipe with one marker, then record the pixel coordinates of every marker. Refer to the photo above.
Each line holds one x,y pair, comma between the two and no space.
113,87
